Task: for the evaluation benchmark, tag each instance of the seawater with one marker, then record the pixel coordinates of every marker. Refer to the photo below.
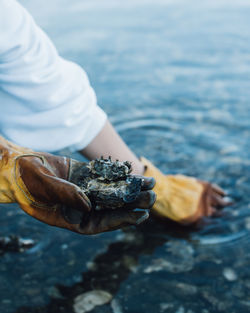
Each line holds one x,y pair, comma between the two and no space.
174,78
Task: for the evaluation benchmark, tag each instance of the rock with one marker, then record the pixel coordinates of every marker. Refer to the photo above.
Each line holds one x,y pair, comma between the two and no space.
230,274
180,256
180,310
165,306
187,289
14,243
91,266
53,292
89,300
247,223
116,307
6,301
164,265
130,263
216,303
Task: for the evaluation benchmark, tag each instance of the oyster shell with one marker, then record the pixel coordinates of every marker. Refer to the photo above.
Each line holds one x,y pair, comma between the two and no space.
109,185
106,170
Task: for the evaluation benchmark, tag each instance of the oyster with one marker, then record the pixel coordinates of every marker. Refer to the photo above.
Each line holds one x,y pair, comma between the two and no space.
106,170
109,185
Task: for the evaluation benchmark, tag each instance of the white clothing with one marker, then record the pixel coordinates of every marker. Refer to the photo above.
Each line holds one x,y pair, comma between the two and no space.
46,102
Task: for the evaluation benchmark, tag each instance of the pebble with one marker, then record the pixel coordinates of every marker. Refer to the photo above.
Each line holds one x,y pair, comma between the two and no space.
89,300
6,301
64,246
53,292
187,289
116,306
215,302
230,274
165,306
130,262
91,266
161,264
247,223
180,310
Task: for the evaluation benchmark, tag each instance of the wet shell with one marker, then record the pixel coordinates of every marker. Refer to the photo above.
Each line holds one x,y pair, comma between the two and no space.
105,169
110,185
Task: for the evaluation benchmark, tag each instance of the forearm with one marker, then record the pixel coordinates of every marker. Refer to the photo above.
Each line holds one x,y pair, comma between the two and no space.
47,103
109,143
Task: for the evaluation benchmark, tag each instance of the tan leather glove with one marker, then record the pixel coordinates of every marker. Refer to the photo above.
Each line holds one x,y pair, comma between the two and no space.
40,184
181,198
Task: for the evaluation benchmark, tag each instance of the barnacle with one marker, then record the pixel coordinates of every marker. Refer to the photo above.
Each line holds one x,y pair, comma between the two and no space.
106,170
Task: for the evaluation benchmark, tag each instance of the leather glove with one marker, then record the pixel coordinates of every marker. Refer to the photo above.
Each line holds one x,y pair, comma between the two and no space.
183,199
40,184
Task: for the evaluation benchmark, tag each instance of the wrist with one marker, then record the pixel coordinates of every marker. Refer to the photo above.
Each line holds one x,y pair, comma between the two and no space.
138,168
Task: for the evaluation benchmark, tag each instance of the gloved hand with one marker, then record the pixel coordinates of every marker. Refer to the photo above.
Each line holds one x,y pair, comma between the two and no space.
183,199
40,184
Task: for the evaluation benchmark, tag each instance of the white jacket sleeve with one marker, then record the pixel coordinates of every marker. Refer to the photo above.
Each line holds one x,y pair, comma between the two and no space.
46,102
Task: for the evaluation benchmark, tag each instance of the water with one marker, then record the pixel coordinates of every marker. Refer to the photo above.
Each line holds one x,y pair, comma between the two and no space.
174,78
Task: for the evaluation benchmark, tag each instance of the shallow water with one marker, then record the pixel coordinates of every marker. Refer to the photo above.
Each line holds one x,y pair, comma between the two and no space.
174,78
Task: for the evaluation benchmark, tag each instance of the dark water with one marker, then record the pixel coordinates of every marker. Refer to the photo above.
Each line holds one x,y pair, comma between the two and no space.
174,77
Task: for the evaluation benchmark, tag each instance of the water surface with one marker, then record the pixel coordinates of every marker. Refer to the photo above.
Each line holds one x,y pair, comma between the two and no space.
174,78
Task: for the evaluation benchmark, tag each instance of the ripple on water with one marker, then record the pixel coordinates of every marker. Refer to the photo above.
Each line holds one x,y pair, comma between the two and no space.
178,142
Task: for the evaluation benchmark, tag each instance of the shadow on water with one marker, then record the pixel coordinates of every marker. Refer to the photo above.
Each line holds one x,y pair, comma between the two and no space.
166,266
108,270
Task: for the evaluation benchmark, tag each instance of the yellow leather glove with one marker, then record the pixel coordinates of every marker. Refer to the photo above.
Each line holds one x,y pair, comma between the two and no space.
181,198
38,183
44,186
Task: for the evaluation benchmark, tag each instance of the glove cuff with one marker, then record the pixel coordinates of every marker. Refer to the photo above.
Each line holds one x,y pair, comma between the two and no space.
178,196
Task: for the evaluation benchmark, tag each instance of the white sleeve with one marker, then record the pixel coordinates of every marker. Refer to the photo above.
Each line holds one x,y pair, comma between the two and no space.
46,102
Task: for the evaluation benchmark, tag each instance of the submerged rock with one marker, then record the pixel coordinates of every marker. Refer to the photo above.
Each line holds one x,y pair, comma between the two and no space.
230,274
179,258
115,306
15,244
180,310
89,300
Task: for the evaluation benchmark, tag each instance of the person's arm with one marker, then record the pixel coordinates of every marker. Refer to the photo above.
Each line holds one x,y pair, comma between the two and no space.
47,104
183,199
109,143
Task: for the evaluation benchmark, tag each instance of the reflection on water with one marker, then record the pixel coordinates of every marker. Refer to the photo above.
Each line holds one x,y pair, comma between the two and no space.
174,79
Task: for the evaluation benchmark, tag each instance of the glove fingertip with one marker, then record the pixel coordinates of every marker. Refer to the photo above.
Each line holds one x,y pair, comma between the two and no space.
148,183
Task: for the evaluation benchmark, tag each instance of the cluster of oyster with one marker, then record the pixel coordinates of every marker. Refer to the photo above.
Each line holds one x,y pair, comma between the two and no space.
109,184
